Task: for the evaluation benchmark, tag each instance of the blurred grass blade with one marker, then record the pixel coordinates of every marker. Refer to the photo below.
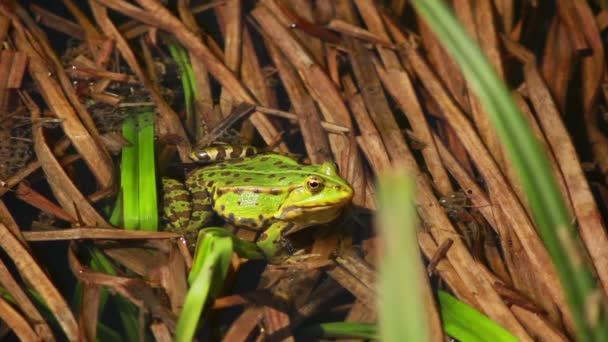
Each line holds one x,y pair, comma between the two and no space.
401,308
340,330
528,158
211,265
466,324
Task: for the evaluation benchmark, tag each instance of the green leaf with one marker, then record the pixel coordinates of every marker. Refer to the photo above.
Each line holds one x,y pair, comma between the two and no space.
401,308
209,269
466,324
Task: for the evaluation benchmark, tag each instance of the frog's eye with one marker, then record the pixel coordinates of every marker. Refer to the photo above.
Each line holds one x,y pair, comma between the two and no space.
314,184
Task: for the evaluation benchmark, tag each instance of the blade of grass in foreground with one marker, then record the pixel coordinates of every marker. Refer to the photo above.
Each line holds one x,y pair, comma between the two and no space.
146,169
467,324
211,269
401,308
128,177
529,160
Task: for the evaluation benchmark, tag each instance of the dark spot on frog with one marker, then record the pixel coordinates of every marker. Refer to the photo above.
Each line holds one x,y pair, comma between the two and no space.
272,175
229,182
236,151
238,191
247,222
264,159
275,191
261,217
211,174
249,151
337,187
249,168
225,173
221,153
198,207
281,179
238,203
222,207
209,183
231,218
277,163
236,175
247,180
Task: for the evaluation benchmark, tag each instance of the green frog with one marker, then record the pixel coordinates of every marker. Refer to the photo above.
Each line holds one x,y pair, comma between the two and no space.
265,192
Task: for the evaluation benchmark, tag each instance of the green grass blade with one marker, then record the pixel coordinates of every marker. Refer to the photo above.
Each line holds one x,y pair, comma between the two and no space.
129,185
148,210
466,324
340,330
209,277
401,308
528,158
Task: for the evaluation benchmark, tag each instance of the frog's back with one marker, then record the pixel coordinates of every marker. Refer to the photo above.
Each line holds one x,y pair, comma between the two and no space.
262,170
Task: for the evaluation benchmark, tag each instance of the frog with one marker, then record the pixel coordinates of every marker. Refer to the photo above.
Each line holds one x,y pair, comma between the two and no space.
267,192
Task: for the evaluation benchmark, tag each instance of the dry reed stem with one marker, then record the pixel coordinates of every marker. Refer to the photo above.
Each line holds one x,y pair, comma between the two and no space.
315,140
204,99
568,15
231,21
158,16
40,43
277,325
97,161
134,290
306,32
593,65
447,272
17,69
587,213
66,193
25,304
358,32
501,194
320,87
37,278
244,325
487,39
168,118
94,233
9,221
558,55
540,329
399,85
161,332
172,277
89,310
16,322
35,199
58,23
444,64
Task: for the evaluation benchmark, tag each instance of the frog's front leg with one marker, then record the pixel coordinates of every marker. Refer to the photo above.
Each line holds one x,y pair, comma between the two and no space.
272,243
186,212
269,246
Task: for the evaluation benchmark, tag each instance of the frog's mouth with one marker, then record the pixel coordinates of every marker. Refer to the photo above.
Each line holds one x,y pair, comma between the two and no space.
314,214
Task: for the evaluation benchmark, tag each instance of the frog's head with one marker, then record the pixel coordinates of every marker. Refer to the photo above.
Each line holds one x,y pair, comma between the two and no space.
319,198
